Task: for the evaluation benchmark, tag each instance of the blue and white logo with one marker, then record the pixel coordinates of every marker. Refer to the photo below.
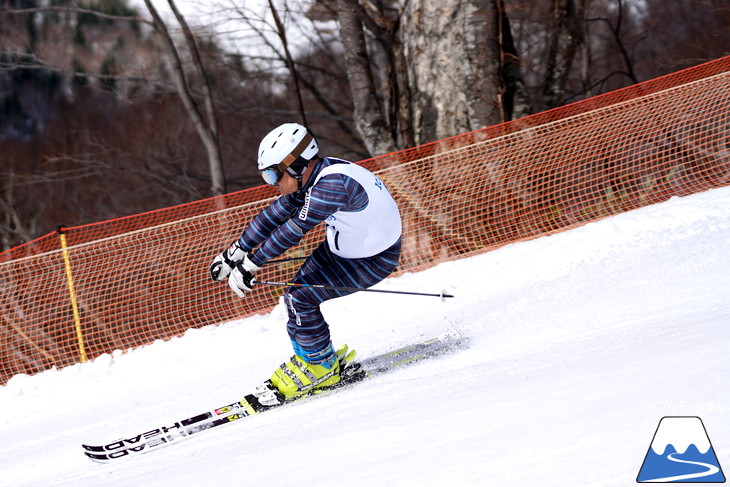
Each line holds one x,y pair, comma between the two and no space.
681,452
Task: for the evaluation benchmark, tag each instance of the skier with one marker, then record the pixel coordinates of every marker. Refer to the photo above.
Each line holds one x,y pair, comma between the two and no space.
361,248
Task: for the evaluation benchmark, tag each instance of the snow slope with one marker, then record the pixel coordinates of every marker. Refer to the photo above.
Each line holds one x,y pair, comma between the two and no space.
581,342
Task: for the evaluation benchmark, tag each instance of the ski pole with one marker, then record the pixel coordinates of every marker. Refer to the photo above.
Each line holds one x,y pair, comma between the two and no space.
443,295
288,259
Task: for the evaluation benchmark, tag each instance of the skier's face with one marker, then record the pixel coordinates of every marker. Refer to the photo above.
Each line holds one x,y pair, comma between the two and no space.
287,184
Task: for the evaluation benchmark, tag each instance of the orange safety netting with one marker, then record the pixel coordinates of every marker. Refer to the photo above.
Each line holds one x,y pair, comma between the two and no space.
145,277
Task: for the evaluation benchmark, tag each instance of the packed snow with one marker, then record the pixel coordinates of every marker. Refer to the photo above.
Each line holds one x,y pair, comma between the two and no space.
580,343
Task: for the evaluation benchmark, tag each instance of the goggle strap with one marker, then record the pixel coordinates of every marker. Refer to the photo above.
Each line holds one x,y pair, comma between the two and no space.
288,160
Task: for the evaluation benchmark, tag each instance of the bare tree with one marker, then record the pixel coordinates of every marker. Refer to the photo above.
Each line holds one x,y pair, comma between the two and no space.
205,122
516,101
89,107
616,27
289,60
12,226
566,35
373,120
422,71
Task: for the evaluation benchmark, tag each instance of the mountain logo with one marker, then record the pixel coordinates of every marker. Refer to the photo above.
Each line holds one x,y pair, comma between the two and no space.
681,452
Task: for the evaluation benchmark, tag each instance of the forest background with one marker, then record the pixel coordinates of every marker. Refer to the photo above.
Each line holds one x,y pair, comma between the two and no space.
110,108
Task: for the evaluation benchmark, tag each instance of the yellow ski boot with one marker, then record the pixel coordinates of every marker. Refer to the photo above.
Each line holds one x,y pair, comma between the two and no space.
298,377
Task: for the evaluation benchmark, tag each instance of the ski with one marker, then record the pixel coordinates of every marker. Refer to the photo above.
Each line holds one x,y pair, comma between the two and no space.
265,397
167,433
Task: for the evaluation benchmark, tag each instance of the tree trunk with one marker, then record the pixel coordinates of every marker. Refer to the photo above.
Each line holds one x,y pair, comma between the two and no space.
370,119
207,130
452,49
566,36
516,102
451,67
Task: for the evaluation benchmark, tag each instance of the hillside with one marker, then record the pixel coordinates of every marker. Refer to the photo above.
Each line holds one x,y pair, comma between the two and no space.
581,342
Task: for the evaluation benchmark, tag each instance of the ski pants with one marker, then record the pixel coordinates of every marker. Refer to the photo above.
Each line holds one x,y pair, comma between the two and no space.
307,328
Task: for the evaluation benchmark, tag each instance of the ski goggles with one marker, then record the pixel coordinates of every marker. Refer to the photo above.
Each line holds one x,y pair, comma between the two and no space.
272,175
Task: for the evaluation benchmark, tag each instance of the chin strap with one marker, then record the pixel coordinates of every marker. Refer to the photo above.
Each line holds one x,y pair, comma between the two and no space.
300,176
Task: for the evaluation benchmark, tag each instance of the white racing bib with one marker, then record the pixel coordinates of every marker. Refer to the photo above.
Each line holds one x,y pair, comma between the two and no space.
367,232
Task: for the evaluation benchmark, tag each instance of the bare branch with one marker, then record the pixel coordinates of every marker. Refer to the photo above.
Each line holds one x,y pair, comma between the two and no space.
203,128
289,60
80,11
198,62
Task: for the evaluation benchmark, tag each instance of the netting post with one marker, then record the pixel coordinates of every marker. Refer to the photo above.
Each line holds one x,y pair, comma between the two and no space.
72,292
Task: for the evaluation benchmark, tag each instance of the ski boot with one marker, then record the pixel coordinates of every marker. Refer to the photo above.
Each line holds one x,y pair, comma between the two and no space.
298,378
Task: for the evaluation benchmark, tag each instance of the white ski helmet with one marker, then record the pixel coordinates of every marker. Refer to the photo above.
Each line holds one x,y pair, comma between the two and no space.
290,145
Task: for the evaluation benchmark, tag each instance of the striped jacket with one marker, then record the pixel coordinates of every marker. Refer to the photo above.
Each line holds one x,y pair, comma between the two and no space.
361,216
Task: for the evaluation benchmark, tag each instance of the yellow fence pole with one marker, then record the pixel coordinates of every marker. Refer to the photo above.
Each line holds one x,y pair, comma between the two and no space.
72,293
